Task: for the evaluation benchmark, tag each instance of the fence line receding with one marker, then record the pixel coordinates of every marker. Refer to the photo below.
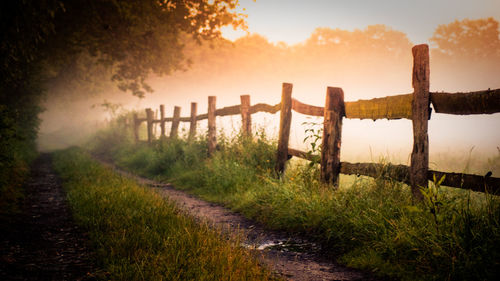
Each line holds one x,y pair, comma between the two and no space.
414,106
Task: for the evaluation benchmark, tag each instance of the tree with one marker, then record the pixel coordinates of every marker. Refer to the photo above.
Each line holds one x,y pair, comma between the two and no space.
43,41
467,39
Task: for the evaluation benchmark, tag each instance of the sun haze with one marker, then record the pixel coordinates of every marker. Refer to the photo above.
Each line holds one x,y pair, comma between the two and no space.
292,21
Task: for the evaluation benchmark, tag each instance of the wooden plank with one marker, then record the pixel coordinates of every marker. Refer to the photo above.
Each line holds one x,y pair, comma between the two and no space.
284,131
246,118
480,102
420,116
391,107
332,135
401,173
467,181
149,117
387,171
307,109
229,110
303,155
175,122
263,107
212,138
235,109
162,120
192,120
202,117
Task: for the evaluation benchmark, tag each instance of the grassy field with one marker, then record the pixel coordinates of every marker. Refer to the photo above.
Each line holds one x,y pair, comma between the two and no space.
367,223
137,235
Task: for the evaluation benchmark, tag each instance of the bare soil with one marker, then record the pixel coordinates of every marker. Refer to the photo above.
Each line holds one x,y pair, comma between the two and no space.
288,255
43,242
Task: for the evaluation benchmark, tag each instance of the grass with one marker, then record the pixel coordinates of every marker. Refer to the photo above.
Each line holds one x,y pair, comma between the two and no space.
138,235
370,224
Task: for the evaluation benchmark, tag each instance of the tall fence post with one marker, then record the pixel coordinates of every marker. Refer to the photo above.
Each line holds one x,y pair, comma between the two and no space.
162,120
420,116
135,127
175,122
332,135
149,119
246,119
192,125
285,122
212,140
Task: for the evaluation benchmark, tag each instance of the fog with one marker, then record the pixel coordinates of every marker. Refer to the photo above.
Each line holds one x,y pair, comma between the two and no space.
369,63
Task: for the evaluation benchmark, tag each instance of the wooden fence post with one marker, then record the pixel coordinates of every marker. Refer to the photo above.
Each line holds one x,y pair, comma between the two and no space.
285,122
420,117
162,120
192,125
135,127
246,118
175,122
149,119
212,139
332,135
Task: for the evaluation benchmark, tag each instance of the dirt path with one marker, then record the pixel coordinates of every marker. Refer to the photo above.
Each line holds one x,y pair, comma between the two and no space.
289,256
43,243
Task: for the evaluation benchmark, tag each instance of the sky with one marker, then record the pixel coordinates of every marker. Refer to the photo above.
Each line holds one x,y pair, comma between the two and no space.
292,21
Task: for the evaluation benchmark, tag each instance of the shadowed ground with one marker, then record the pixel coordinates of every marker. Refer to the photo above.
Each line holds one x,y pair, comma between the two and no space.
43,243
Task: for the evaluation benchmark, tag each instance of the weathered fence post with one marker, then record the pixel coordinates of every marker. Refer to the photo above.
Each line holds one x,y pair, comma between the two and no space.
192,125
420,117
155,116
285,122
162,120
246,119
332,135
175,122
212,140
149,119
135,127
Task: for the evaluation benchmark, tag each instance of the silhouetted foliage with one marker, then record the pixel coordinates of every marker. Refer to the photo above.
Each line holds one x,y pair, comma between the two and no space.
469,39
57,41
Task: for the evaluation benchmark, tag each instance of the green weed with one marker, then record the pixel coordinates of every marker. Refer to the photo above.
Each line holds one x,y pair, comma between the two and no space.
368,223
138,235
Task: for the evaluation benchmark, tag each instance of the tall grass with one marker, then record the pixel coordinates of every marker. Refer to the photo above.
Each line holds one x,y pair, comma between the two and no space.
138,235
367,223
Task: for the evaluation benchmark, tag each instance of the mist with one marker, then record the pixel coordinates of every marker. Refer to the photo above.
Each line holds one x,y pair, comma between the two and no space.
369,63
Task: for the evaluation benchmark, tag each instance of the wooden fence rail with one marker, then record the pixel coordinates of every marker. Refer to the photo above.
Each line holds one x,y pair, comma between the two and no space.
414,106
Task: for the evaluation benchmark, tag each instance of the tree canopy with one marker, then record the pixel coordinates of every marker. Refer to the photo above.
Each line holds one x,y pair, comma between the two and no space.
47,41
466,39
135,37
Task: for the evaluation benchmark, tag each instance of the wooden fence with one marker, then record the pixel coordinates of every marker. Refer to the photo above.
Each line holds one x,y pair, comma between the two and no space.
414,106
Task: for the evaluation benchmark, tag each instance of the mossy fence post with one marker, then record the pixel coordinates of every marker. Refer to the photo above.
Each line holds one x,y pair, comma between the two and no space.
246,118
212,138
332,135
174,130
135,127
149,120
162,120
192,120
285,122
420,116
